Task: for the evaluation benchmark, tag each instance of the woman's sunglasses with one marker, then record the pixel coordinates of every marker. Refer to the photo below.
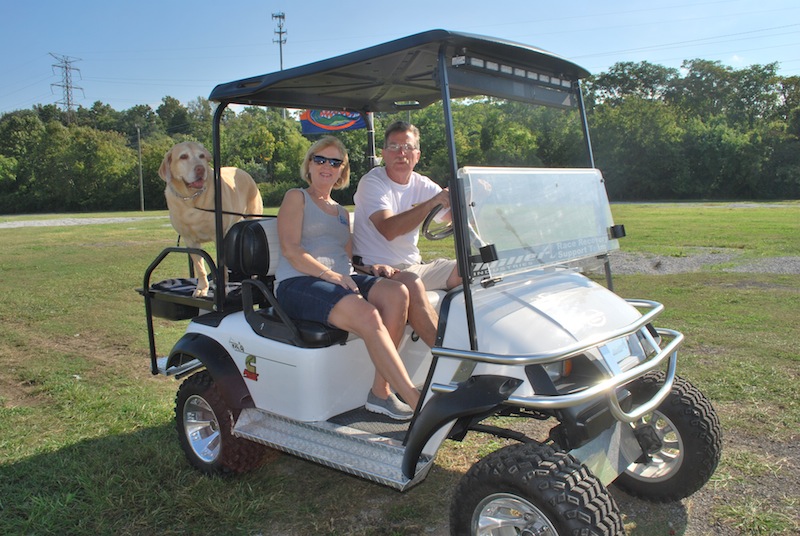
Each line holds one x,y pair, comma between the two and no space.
334,162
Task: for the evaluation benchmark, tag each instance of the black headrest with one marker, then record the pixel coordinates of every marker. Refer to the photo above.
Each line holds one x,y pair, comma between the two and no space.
252,248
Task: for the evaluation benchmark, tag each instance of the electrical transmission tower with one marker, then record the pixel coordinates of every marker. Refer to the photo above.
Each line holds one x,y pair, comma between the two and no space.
65,64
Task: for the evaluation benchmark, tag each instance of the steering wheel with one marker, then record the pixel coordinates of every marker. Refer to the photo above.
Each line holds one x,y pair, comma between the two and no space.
433,230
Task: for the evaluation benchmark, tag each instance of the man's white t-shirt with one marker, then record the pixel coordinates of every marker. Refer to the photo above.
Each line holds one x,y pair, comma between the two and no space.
375,192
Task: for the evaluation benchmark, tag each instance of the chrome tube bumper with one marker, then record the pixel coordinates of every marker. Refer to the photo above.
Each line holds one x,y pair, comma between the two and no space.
606,388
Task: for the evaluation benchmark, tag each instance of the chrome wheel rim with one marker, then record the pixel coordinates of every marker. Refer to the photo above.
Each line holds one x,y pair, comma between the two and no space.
201,427
668,459
504,514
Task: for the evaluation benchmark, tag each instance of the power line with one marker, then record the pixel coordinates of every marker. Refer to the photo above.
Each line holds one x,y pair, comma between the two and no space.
703,40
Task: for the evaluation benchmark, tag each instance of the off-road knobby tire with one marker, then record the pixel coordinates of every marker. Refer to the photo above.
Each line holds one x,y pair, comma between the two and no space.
693,418
572,499
236,455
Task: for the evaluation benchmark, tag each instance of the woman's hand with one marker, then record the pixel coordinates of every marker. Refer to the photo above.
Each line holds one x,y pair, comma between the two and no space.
342,280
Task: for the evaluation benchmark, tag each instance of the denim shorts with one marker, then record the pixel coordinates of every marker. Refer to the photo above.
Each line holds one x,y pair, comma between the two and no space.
311,298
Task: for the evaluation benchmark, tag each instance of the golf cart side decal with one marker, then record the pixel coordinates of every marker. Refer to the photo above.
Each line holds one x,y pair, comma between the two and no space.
546,255
510,264
236,345
249,371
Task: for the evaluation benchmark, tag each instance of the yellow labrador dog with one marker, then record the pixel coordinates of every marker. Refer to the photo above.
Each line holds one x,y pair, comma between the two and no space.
187,170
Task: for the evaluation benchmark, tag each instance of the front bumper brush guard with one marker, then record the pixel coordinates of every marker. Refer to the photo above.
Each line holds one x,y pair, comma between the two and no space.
606,388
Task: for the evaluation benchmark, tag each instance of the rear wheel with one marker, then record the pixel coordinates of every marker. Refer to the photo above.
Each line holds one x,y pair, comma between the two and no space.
532,489
204,422
686,442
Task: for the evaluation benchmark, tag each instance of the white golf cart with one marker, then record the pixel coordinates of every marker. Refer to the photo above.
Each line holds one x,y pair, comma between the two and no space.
528,337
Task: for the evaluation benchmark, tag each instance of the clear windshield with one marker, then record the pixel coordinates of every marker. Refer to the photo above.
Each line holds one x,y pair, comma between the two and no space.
535,217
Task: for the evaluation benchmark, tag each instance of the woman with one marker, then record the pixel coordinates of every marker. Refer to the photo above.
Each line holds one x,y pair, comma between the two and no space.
315,280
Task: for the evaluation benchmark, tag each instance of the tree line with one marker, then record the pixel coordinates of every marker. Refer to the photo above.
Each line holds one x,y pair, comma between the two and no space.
705,131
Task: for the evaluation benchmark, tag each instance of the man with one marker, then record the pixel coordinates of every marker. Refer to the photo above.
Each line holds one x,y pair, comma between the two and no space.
391,204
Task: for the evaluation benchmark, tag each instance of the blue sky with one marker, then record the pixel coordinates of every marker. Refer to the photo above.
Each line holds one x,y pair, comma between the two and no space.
129,53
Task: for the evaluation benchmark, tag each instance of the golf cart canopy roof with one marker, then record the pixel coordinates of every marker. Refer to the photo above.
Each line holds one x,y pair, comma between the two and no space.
404,74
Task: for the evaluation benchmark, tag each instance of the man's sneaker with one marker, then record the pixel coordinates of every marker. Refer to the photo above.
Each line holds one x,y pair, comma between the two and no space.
391,407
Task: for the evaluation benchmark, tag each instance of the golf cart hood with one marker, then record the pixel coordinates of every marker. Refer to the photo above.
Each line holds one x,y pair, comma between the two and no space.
538,312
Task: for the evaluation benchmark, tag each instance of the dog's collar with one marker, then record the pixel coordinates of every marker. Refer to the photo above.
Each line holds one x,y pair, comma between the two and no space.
187,198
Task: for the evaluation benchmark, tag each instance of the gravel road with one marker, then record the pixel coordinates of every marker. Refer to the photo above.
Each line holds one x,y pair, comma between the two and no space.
60,222
623,262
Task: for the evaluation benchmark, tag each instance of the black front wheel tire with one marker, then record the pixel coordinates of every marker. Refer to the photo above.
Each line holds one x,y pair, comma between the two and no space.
691,443
532,489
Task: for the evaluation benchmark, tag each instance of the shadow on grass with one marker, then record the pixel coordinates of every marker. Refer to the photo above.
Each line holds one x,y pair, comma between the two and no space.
643,518
140,483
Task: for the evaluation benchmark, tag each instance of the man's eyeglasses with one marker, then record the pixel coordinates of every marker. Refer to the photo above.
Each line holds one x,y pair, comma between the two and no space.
400,147
334,162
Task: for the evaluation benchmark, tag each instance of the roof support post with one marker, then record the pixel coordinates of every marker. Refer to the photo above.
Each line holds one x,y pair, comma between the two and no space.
219,276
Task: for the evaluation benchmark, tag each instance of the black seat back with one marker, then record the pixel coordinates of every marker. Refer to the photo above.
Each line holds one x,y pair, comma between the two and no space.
252,250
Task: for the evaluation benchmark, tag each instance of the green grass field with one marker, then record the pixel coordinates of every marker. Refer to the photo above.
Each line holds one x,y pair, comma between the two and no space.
87,440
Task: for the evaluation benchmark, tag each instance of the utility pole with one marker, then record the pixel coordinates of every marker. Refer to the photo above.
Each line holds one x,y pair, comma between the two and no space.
280,32
141,182
65,64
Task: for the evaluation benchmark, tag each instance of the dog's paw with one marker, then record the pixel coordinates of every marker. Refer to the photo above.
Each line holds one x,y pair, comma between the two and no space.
200,293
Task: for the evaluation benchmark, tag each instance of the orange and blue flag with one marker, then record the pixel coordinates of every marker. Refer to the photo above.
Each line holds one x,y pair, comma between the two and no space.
327,121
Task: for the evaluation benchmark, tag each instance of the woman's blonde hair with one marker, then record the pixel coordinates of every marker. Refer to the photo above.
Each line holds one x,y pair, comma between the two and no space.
322,143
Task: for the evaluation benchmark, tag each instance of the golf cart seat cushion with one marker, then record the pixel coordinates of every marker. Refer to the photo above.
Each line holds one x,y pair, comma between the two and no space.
174,298
180,285
314,334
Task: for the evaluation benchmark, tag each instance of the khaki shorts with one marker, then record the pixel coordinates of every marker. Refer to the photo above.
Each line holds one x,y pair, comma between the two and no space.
434,274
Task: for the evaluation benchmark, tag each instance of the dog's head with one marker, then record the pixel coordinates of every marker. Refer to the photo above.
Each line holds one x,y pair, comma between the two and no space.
186,167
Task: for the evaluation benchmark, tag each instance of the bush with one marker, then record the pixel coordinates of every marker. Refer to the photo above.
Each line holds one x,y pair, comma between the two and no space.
272,192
